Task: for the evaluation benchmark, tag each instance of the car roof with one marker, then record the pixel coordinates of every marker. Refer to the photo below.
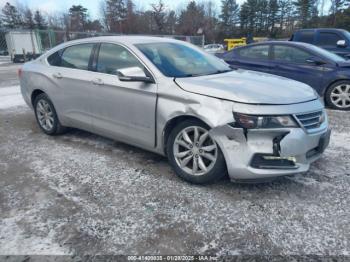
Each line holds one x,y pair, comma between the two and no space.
321,29
126,39
282,42
120,39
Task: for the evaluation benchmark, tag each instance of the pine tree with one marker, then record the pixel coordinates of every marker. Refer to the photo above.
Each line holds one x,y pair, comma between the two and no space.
273,16
39,20
116,13
229,16
78,17
304,10
11,17
336,7
191,19
28,19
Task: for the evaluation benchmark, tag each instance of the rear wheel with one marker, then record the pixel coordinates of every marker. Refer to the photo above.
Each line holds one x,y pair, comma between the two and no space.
194,155
338,95
46,115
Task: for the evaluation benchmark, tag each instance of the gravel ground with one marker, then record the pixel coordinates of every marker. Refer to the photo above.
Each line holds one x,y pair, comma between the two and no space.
83,194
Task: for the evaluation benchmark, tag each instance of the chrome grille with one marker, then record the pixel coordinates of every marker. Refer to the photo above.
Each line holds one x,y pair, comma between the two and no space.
310,120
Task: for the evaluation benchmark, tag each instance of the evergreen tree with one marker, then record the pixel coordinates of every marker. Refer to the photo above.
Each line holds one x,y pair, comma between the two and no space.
116,13
78,17
28,19
191,19
336,7
273,17
229,16
304,10
39,20
11,17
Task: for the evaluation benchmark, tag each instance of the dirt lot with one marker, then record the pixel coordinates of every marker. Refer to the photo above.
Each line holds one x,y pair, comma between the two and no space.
84,194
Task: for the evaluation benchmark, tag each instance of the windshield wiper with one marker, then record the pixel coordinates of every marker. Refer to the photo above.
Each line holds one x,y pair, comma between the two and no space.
221,71
191,75
213,73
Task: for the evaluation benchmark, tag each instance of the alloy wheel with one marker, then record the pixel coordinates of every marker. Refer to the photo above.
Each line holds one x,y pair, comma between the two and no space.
195,151
340,96
45,115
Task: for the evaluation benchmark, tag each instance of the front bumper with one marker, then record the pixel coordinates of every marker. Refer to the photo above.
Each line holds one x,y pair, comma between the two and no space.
242,147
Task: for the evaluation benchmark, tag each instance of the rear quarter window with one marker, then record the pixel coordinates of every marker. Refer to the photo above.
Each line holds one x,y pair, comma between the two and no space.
55,58
77,56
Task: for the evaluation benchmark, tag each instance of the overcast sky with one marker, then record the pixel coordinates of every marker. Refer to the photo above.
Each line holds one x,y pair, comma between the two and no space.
50,6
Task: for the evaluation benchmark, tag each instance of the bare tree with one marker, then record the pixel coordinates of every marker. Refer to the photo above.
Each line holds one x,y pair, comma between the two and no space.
158,13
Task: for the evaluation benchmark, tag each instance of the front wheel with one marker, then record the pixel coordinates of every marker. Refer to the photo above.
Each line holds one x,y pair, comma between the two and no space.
194,155
338,95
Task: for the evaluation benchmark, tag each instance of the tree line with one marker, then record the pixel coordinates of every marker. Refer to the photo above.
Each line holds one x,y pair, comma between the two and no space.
267,18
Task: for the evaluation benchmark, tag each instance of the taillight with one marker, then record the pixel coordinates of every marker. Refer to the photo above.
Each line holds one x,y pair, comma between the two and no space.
19,72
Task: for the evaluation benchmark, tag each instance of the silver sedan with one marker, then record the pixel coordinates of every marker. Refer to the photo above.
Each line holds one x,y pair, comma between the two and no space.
172,98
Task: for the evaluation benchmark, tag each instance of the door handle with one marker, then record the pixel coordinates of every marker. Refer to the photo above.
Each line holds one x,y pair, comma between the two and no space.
97,81
57,75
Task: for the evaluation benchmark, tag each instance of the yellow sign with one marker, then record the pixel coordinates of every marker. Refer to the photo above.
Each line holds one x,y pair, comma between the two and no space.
235,42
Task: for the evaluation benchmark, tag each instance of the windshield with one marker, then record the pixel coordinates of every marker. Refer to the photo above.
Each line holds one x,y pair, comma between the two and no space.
329,55
178,60
347,34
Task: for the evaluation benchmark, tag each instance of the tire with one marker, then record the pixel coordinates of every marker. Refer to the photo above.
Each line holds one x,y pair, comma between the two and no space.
44,109
176,151
339,90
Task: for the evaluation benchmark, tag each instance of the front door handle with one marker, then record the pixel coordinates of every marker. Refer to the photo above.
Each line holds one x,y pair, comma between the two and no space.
57,75
97,81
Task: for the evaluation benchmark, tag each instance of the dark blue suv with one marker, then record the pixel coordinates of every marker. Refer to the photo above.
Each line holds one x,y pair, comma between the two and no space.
331,39
326,72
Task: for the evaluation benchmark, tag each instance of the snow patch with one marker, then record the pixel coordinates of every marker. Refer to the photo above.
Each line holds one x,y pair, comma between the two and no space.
14,241
339,139
11,97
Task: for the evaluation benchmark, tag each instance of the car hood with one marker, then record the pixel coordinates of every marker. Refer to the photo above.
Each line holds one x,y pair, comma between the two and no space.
249,87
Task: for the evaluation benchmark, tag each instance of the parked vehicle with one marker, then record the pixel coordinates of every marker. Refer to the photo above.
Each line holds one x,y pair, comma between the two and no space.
213,48
4,52
22,45
327,73
331,39
172,98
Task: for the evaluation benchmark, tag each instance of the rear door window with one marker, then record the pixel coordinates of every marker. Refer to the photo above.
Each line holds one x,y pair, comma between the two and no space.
113,57
255,52
306,37
290,54
328,39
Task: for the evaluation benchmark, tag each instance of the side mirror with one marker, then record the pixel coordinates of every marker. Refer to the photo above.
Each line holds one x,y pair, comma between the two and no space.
134,74
341,43
315,61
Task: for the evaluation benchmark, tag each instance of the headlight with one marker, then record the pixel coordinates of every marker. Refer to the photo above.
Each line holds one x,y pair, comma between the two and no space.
253,121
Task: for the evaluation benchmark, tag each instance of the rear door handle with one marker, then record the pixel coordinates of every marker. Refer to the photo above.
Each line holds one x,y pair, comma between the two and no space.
57,75
97,81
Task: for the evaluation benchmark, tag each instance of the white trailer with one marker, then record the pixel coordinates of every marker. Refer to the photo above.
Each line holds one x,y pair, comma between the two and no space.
22,45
